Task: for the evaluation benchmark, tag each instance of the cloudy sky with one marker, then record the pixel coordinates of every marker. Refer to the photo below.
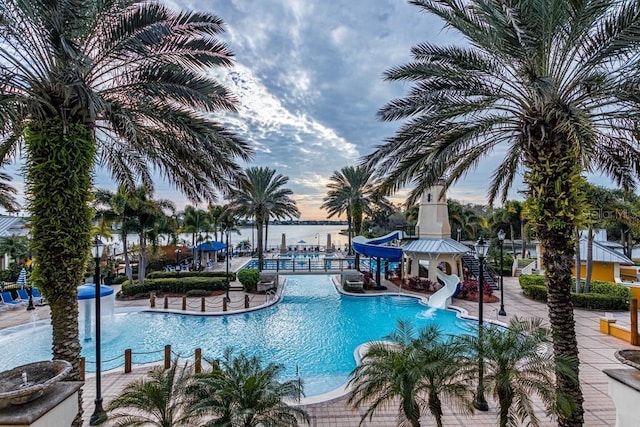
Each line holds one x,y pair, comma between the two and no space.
308,76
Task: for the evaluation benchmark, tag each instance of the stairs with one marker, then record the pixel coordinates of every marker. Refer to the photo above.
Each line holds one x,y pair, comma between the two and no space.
472,263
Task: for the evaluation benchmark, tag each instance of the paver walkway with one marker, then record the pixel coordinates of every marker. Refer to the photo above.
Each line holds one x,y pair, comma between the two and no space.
596,353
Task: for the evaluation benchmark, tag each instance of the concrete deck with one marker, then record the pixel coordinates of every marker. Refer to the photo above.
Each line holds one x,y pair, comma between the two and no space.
596,354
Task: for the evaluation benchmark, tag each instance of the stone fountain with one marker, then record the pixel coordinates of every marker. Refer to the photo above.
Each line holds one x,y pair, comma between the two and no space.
28,382
35,395
624,388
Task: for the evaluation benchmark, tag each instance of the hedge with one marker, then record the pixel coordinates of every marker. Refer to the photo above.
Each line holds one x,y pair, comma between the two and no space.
602,295
249,278
182,285
183,274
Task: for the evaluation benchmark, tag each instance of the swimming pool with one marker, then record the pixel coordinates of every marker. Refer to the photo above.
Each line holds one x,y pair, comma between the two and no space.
313,330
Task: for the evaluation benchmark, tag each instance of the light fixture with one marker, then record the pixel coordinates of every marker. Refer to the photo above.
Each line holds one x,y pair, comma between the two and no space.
99,415
480,403
501,236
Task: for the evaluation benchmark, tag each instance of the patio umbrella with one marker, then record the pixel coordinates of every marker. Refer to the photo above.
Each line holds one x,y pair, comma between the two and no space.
283,244
22,278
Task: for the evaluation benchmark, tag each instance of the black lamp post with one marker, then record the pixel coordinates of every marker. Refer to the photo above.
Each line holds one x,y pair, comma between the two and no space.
178,252
501,236
99,415
480,403
227,264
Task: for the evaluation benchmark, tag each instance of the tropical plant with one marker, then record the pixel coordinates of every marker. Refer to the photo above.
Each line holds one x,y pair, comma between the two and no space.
351,190
259,193
17,247
421,371
552,81
239,391
517,368
160,399
119,84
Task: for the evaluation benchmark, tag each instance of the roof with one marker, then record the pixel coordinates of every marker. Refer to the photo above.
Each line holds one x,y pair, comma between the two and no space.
210,246
602,253
13,226
435,246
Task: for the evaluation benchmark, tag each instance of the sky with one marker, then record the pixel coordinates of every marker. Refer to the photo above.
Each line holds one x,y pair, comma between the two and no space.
308,75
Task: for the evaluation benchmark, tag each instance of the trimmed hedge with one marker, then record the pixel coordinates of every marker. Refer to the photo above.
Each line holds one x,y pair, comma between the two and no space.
173,285
249,278
183,274
602,296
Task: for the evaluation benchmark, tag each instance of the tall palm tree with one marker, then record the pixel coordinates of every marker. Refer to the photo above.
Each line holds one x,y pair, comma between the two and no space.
194,220
114,83
259,193
420,371
351,190
550,85
157,400
239,391
516,368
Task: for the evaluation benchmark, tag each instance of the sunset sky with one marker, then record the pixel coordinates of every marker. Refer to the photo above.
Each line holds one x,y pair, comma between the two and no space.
308,75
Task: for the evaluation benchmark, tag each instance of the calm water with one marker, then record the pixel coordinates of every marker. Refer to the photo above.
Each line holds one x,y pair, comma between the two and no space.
313,329
312,235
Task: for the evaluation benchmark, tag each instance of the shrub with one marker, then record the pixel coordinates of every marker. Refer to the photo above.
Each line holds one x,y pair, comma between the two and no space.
249,278
181,285
183,274
198,293
602,295
421,283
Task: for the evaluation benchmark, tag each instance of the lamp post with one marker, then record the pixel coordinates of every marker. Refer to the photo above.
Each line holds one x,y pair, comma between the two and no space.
227,265
459,231
178,252
99,415
501,236
480,403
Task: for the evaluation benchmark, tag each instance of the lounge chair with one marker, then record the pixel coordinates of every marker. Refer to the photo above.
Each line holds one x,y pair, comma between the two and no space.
36,294
24,296
7,298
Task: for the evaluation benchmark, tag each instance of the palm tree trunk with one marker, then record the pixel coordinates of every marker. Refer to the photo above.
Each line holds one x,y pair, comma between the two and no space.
59,188
555,202
505,399
266,233
578,263
435,407
128,271
142,258
587,278
513,241
259,243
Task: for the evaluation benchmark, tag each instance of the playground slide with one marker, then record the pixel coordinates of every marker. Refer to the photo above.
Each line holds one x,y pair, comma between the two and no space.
442,298
374,247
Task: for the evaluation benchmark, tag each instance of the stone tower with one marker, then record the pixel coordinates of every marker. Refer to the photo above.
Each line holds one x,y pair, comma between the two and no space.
433,216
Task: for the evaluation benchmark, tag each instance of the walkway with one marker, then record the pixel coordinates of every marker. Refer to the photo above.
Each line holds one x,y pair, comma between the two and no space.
596,354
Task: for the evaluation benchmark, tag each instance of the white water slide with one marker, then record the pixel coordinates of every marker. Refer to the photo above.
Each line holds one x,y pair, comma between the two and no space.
442,298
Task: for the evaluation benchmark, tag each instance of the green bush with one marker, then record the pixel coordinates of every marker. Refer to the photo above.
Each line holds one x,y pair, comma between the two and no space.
249,278
198,293
602,295
183,274
174,285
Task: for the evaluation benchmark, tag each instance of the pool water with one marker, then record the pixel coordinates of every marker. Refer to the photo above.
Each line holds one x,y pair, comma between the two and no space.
312,331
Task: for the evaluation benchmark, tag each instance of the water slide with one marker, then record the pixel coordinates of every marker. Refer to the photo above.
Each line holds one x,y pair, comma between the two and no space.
442,298
375,247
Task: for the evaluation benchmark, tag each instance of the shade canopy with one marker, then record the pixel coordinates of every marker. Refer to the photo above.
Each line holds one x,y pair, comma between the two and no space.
210,247
89,291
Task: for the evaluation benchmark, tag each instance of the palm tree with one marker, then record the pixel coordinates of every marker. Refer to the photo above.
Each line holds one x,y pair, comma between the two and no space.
194,220
118,84
238,391
554,82
17,247
419,371
351,189
259,194
516,368
157,400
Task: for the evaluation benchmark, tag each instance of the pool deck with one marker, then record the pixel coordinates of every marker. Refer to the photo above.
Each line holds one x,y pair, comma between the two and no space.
596,353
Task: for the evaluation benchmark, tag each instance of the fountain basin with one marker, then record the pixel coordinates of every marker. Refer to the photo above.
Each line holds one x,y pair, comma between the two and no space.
629,357
28,382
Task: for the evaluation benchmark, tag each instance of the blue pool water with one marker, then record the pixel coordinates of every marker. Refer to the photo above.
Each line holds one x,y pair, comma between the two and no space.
313,329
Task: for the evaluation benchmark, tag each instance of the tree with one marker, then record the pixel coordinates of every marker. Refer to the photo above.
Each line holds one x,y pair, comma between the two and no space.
158,400
115,84
515,368
421,372
258,194
239,391
351,190
550,86
17,247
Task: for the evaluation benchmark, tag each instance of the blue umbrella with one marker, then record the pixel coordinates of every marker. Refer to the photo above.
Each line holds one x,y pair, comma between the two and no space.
22,278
